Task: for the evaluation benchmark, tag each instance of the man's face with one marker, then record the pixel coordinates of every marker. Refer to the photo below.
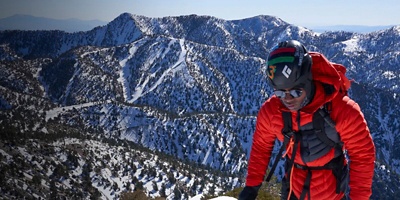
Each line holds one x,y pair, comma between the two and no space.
292,98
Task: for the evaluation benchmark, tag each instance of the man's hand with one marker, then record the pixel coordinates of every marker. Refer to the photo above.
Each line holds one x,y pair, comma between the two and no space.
249,193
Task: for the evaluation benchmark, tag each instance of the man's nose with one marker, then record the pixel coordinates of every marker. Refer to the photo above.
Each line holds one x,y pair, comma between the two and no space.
288,95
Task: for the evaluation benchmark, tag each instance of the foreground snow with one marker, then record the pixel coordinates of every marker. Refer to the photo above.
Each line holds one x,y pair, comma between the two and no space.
224,198
198,197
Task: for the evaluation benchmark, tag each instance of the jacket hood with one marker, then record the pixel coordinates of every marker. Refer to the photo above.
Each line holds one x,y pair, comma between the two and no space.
327,82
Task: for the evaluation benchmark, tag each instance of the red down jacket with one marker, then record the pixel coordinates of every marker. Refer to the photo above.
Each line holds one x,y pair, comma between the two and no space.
350,124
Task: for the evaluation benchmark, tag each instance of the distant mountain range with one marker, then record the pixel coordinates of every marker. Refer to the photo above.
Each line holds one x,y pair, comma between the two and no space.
28,22
349,28
185,87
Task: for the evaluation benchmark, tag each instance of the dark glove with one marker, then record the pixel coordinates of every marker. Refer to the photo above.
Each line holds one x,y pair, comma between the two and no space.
249,193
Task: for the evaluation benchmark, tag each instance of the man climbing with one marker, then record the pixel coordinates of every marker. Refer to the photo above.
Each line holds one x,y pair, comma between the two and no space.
326,141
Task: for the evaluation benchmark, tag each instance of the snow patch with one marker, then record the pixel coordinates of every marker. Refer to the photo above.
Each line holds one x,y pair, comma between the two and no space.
352,45
176,67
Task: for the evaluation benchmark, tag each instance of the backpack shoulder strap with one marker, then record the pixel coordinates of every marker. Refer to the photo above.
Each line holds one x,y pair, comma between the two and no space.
287,123
319,119
287,131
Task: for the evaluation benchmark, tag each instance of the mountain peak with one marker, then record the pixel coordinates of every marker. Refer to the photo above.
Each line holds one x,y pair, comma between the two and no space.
124,16
396,29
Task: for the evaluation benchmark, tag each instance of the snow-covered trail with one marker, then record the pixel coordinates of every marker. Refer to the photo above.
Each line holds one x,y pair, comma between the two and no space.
50,114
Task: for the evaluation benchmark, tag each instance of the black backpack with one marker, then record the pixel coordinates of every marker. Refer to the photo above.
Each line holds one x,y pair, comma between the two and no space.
339,169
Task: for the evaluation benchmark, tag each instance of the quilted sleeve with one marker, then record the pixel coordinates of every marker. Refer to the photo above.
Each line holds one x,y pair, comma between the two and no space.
263,142
354,132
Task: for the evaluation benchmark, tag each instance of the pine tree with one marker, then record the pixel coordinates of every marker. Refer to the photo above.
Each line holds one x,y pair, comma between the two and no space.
53,189
212,189
139,186
36,180
177,193
155,187
162,190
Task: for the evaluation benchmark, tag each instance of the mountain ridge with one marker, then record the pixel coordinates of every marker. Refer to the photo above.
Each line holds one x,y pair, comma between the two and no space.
29,22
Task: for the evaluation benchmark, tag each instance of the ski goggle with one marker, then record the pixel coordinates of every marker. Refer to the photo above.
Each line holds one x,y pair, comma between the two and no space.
293,92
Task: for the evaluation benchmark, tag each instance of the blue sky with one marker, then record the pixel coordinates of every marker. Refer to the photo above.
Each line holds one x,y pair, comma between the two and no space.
302,13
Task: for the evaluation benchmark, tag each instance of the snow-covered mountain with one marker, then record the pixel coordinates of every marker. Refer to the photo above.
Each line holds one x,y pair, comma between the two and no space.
29,22
187,86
